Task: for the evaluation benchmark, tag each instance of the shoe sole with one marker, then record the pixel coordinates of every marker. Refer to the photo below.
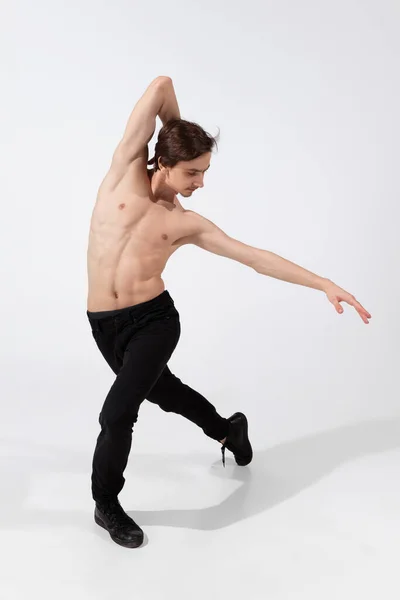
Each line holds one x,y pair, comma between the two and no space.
133,544
244,462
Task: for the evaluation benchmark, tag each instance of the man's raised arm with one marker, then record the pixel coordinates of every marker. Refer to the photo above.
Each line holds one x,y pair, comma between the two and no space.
158,100
169,109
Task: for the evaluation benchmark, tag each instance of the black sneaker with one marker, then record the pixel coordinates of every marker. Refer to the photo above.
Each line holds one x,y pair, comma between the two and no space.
123,530
237,440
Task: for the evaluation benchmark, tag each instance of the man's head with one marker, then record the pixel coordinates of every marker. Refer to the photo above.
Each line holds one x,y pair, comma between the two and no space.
183,153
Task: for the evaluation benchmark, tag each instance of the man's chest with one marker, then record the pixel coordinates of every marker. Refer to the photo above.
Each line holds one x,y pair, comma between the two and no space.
154,226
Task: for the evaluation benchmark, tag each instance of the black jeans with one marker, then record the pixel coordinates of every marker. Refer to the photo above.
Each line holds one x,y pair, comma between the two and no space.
137,342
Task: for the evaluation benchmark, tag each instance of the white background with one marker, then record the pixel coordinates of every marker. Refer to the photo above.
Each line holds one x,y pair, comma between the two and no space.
306,97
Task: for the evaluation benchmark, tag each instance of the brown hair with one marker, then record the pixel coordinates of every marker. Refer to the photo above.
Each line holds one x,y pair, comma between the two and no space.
181,140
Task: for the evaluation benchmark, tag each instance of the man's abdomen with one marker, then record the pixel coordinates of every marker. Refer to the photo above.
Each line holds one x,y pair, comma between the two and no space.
108,297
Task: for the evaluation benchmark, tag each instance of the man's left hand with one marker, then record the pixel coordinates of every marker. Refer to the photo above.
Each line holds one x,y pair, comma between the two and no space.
335,295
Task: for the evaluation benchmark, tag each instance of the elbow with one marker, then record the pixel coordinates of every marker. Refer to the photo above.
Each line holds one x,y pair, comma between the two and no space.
163,80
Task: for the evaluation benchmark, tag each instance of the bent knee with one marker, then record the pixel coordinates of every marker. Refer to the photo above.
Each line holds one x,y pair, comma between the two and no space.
109,420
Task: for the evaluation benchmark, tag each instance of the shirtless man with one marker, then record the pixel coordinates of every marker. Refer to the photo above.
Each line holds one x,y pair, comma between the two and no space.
137,224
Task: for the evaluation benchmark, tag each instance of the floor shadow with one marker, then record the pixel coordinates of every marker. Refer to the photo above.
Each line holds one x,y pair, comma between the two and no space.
276,474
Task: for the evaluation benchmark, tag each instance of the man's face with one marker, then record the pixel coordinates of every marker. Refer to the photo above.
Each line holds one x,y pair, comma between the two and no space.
187,176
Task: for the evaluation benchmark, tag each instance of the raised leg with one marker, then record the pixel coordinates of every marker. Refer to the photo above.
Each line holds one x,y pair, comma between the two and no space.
172,395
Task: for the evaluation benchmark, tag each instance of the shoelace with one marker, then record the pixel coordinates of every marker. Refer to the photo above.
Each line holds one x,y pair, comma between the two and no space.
117,516
223,454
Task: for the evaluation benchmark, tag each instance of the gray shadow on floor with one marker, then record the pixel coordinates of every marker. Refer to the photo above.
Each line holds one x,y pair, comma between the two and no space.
275,475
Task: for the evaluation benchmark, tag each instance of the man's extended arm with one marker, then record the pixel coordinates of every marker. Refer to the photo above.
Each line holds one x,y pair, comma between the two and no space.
208,236
212,238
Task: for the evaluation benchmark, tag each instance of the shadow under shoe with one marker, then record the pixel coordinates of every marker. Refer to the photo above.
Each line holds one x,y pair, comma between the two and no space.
237,440
122,529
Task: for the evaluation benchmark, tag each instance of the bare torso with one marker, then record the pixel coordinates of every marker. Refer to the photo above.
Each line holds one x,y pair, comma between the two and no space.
131,238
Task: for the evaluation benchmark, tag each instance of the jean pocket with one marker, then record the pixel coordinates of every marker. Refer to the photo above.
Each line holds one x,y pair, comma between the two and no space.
158,314
172,312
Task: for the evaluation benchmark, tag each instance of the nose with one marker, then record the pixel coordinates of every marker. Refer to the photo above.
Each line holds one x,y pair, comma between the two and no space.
200,184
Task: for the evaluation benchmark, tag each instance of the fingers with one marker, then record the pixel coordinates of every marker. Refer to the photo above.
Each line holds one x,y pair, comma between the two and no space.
363,314
337,305
366,312
361,309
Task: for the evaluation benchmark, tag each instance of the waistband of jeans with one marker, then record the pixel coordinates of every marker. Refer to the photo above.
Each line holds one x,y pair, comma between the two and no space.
162,299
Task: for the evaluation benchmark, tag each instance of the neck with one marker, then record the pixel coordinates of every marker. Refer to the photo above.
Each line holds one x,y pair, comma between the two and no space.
159,188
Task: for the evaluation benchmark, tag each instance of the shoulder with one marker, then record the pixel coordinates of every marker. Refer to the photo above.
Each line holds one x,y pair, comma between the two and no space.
199,223
193,220
133,178
193,227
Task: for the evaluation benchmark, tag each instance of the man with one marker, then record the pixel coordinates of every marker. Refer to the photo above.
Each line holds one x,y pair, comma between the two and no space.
137,224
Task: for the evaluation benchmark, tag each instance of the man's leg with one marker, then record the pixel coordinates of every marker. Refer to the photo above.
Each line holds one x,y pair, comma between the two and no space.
144,361
172,395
